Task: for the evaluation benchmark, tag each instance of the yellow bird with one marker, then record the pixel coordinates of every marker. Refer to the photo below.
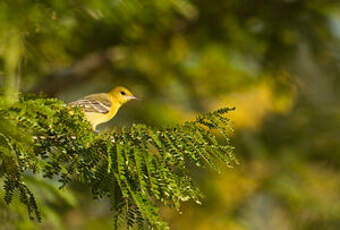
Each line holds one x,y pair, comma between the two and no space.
102,107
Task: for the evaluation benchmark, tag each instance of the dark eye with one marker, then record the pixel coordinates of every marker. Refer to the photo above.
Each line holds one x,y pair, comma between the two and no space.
122,93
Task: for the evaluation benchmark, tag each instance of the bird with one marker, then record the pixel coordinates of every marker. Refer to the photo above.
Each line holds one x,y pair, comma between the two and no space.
102,107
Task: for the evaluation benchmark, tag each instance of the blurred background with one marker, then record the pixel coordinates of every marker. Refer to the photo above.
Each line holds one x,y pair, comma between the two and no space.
276,61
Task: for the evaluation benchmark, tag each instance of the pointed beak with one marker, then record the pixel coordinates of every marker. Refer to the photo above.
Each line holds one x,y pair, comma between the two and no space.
132,98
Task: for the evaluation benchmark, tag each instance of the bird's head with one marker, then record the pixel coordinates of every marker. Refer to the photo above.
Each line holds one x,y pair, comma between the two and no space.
121,94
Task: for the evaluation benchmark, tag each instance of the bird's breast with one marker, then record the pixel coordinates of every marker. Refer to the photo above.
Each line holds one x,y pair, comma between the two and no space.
96,118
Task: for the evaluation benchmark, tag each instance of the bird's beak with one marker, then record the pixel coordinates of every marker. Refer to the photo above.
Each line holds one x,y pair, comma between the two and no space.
132,98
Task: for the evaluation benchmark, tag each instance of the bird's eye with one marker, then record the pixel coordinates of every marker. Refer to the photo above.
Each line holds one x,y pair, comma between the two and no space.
122,93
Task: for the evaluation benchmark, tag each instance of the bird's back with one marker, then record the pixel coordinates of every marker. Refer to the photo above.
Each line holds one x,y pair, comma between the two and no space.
98,108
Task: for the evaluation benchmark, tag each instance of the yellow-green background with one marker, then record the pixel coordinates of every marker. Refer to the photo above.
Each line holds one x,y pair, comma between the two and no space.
276,61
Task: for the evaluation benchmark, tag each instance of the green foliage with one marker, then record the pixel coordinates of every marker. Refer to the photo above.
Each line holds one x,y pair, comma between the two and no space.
278,61
138,168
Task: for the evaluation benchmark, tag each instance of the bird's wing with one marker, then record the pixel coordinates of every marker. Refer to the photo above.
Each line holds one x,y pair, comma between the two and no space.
98,103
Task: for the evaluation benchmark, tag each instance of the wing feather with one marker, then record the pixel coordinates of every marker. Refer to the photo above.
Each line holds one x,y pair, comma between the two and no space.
98,103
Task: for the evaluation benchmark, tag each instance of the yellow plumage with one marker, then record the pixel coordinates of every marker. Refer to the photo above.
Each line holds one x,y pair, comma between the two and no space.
102,107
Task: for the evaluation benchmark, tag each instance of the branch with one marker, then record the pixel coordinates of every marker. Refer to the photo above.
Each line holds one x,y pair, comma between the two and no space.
79,71
137,168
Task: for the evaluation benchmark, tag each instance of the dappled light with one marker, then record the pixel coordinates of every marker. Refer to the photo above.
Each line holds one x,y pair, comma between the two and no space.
274,148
